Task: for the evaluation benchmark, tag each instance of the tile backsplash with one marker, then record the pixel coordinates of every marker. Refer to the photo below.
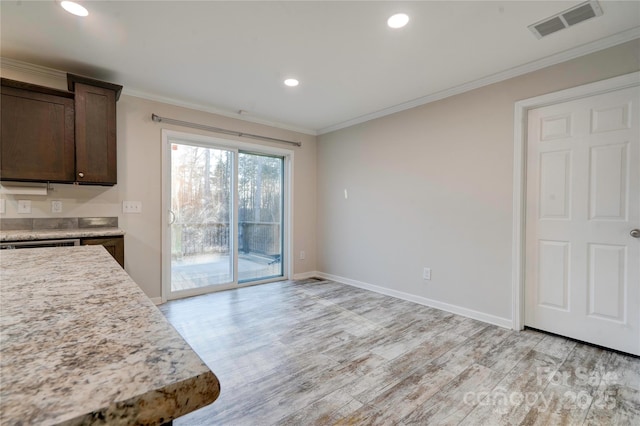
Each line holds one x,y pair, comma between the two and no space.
10,224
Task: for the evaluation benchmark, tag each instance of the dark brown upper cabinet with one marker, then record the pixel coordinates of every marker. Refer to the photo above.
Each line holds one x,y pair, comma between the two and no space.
36,141
95,105
50,135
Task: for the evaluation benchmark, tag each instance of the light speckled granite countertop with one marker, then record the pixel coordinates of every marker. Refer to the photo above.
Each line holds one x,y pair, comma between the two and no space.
51,234
82,344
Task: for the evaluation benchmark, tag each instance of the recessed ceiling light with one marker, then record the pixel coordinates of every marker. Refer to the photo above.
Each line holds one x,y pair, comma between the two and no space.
74,8
398,20
291,82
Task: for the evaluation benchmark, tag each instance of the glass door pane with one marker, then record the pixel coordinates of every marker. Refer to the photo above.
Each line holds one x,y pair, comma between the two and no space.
260,216
201,206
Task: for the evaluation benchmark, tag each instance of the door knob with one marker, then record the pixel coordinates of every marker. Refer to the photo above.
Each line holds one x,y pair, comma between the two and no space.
635,233
81,174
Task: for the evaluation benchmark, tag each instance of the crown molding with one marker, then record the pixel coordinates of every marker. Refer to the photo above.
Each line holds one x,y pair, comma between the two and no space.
217,111
567,55
14,64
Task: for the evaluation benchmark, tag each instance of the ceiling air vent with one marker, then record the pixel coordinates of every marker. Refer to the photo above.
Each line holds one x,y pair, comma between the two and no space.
566,19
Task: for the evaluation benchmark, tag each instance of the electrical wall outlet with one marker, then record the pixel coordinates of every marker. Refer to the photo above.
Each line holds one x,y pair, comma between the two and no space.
132,207
426,273
56,206
24,206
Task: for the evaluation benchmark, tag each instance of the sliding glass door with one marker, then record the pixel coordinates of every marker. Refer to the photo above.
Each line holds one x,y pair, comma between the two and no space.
201,217
259,216
225,217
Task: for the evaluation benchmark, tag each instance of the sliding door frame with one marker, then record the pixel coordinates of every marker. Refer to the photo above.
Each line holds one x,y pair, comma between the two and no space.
170,136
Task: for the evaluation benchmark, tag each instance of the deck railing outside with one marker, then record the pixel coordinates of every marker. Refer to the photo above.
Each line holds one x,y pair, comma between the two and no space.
262,238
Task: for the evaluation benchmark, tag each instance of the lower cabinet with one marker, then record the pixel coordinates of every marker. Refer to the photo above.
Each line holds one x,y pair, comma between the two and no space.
114,245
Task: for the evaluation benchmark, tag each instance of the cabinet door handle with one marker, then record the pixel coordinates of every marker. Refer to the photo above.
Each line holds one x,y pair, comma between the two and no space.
81,174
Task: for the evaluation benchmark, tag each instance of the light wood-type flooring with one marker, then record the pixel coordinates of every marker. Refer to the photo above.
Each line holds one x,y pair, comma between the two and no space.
319,352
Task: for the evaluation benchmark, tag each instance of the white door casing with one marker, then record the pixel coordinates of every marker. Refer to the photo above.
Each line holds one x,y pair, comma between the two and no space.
521,109
582,266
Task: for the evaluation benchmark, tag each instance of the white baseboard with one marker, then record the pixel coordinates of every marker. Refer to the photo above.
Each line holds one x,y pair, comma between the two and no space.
459,310
305,275
454,309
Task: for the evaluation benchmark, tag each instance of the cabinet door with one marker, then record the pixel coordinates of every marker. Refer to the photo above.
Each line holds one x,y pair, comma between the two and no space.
115,246
36,142
95,135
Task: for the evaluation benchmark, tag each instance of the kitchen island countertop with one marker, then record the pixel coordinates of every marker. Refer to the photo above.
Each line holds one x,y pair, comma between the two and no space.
80,343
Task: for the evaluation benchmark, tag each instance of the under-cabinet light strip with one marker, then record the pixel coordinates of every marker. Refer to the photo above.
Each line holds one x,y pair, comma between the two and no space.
158,119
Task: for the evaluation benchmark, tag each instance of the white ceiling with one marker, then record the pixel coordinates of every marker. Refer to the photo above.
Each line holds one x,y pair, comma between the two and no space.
233,55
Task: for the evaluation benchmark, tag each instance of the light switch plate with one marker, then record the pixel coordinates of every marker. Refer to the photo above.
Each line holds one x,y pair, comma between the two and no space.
426,273
132,207
56,206
24,206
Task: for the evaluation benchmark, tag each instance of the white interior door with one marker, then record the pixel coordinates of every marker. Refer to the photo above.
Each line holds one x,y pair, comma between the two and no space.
582,276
